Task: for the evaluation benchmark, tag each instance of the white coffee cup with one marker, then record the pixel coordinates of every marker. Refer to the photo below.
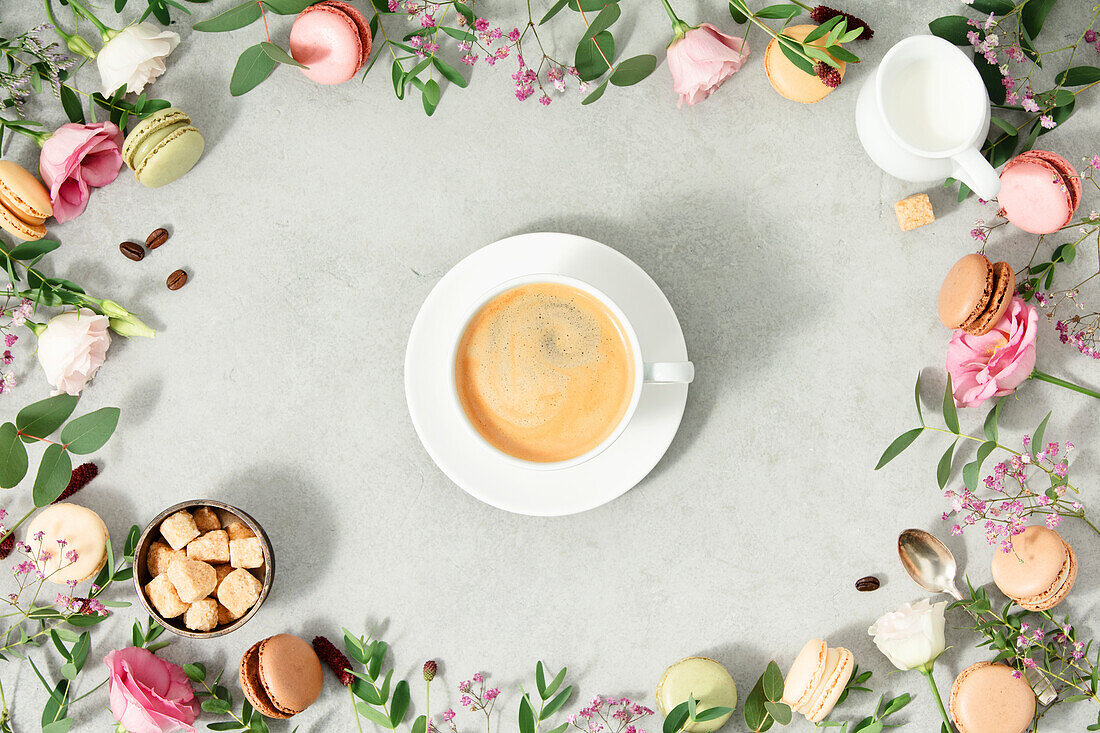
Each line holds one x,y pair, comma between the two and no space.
674,372
924,114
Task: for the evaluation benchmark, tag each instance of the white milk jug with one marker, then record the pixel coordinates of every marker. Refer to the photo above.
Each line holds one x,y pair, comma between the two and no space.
924,114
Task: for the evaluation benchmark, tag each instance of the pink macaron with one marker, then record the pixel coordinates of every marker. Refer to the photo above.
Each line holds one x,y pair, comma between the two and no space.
1040,191
333,39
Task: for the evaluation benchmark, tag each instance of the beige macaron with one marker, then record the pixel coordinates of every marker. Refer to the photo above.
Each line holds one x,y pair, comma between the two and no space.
24,202
991,698
791,81
1039,571
62,529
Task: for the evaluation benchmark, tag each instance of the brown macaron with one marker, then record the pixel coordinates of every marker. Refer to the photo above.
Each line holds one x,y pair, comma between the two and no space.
975,294
281,676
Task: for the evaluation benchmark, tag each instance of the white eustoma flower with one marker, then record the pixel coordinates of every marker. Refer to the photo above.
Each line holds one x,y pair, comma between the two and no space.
911,637
134,57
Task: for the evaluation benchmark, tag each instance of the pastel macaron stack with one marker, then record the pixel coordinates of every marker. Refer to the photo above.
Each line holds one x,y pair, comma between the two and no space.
1039,572
162,147
817,679
281,676
1040,191
704,679
791,81
332,40
975,294
991,698
24,202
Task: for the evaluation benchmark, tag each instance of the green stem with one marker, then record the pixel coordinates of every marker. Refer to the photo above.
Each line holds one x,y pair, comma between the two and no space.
355,710
927,672
16,525
1044,377
679,27
80,9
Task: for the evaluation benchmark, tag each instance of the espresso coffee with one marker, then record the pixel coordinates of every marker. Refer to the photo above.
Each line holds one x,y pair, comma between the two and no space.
544,372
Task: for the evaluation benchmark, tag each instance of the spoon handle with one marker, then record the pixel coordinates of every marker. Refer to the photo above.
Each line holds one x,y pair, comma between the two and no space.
953,591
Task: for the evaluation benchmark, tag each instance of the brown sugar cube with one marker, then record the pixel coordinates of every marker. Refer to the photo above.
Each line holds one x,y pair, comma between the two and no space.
915,211
179,529
202,615
239,591
246,553
159,557
212,547
239,531
221,571
162,594
193,579
225,616
207,520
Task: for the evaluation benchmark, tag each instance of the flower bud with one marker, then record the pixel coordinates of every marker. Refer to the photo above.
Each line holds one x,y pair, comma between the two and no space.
78,45
131,326
430,668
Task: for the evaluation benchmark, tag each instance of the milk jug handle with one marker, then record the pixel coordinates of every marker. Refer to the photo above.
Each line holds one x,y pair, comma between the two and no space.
975,171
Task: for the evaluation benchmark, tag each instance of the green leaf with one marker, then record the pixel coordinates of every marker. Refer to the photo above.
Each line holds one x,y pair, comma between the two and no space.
711,713
676,718
896,704
556,704
279,56
997,7
791,50
773,682
398,76
13,457
450,73
951,28
32,249
377,654
54,473
526,716
41,419
820,31
1039,436
756,715
429,95
1034,14
373,715
58,726
465,11
596,93
633,70
780,12
916,398
1076,76
224,725
215,706
85,621
554,10
287,7
88,433
195,672
590,63
779,711
900,443
74,110
991,76
253,66
236,17
400,703
420,725
738,14
972,470
943,469
555,683
603,21
950,414
540,679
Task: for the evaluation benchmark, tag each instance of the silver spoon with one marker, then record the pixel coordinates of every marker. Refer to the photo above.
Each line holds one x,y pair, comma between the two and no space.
928,562
932,566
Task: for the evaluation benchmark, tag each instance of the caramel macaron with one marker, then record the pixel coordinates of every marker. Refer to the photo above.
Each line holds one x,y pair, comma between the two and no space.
1038,573
24,202
975,294
990,698
281,676
791,81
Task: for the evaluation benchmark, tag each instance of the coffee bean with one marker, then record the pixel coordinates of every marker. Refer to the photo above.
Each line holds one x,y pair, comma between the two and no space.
156,238
869,583
133,250
177,280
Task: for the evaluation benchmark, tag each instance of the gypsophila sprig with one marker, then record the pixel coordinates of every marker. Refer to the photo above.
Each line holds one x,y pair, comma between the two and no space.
610,715
1006,55
1037,644
1010,495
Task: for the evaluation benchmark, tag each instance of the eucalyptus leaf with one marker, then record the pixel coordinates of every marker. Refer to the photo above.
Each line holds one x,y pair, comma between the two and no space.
1039,436
287,7
589,61
632,70
450,73
429,95
900,443
53,476
779,711
603,21
399,705
88,433
952,28
278,55
236,17
13,457
950,414
943,468
253,66
596,93
554,10
773,681
40,419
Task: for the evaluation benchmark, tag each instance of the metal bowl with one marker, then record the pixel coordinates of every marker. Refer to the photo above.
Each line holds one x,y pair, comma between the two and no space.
226,513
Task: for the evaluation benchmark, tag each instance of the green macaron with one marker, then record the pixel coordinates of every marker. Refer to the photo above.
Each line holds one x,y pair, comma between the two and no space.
162,147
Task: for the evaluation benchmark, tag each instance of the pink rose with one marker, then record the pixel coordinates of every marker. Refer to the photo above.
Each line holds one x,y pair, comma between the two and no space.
997,363
148,694
77,158
702,60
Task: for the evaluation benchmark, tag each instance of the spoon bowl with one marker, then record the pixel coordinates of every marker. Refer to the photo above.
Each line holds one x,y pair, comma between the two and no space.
928,561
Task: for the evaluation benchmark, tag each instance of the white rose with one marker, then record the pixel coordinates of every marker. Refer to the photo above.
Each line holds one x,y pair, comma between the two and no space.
72,347
134,57
912,636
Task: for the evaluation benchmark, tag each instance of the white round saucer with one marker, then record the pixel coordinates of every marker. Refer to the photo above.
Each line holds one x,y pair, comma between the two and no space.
438,418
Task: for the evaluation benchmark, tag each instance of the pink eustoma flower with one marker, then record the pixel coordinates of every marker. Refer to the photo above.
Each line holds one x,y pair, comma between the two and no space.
702,60
148,694
997,363
76,159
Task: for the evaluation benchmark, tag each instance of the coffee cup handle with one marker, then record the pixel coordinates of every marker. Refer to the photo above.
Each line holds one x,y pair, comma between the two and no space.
975,171
669,372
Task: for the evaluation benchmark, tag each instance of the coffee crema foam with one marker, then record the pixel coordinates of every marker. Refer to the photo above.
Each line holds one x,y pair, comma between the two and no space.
544,372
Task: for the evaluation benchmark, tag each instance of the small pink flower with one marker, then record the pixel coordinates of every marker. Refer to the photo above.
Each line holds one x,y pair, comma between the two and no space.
702,61
75,159
997,363
1048,122
448,715
492,694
